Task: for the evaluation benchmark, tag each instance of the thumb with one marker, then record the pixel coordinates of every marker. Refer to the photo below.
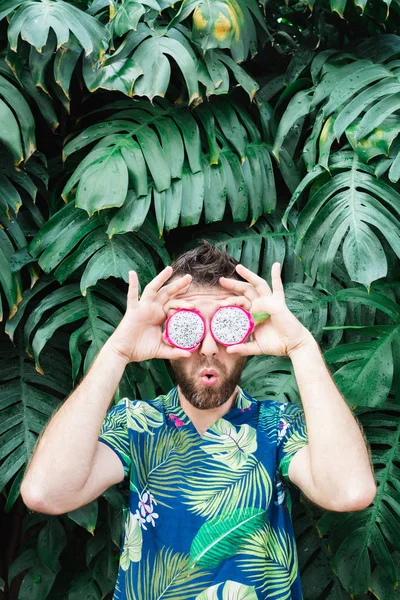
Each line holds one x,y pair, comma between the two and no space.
133,290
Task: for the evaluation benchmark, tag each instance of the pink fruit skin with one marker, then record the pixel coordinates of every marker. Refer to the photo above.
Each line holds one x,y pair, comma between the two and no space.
250,329
168,339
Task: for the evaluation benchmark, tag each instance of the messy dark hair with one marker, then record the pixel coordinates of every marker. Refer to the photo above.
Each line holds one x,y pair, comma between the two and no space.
206,264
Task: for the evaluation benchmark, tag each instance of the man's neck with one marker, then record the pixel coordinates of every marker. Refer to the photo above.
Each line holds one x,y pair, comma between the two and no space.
204,419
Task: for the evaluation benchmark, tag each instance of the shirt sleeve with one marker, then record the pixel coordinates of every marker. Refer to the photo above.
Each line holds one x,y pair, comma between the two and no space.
114,433
292,435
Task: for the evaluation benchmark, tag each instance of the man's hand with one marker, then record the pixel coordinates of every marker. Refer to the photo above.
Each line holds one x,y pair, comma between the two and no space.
139,334
279,335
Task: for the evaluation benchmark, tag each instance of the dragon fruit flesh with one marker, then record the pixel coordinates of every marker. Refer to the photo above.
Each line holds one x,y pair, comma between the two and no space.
231,325
185,329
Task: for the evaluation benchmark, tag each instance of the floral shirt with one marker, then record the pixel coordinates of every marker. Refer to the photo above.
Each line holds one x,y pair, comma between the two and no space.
209,516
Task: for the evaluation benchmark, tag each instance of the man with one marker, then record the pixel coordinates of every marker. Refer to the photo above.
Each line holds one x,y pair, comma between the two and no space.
208,466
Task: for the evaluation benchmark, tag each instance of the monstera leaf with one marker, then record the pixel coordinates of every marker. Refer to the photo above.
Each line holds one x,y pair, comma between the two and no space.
356,538
129,12
17,188
339,6
364,106
270,377
141,66
145,53
256,247
41,560
107,257
344,211
17,131
96,315
28,400
101,319
358,379
225,24
33,20
235,164
317,575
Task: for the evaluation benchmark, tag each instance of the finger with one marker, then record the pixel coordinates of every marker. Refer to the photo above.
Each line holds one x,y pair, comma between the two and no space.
277,285
174,304
152,288
246,349
133,290
257,282
171,353
177,286
237,301
241,287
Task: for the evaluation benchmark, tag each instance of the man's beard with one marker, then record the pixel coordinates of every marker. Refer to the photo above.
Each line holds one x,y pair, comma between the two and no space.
207,397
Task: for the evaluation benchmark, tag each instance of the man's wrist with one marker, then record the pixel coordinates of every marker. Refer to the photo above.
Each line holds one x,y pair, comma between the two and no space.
111,349
306,346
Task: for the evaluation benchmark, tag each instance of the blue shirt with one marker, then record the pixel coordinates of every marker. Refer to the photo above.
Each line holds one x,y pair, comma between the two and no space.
209,516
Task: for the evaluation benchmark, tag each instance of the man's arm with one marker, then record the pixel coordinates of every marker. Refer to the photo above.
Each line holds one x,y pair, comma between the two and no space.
70,467
68,449
334,469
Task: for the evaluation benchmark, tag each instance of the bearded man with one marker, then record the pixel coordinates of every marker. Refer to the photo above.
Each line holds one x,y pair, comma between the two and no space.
210,469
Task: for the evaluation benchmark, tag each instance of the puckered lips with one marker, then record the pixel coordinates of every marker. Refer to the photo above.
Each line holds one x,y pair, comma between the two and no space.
209,377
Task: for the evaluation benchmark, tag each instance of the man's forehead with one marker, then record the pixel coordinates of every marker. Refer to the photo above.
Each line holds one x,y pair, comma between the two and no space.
206,293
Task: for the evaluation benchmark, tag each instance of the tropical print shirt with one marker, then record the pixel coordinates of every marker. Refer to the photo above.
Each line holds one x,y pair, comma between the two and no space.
209,516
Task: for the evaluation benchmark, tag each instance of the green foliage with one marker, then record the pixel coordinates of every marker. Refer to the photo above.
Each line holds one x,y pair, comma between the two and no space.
130,130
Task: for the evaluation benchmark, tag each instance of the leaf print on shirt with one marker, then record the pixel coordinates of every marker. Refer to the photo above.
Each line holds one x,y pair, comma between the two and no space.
229,446
228,490
268,420
132,548
222,537
166,575
232,590
295,440
140,416
270,562
162,463
242,401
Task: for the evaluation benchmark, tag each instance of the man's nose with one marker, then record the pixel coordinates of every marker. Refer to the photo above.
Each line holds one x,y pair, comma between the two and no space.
209,346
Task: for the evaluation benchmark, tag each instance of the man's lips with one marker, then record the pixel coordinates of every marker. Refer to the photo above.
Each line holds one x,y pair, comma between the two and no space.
211,372
209,377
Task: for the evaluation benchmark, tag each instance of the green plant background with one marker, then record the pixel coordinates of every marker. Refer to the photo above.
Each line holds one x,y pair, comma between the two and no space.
129,131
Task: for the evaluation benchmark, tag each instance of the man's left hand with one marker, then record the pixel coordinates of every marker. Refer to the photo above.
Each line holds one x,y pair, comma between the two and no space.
282,333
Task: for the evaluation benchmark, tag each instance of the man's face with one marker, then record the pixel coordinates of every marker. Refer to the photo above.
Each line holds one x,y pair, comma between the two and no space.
209,377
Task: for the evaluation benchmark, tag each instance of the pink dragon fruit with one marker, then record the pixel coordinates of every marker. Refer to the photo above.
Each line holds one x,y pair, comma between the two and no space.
231,325
185,329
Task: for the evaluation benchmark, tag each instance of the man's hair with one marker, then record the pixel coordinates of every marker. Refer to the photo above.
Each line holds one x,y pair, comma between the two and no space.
206,264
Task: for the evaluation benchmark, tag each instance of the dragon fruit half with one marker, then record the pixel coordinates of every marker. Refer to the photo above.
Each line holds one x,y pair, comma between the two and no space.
185,329
231,325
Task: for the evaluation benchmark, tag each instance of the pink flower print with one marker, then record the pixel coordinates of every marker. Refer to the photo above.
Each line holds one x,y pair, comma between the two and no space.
176,420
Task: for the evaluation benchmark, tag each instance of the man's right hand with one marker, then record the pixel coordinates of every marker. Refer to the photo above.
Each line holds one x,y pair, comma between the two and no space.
139,334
